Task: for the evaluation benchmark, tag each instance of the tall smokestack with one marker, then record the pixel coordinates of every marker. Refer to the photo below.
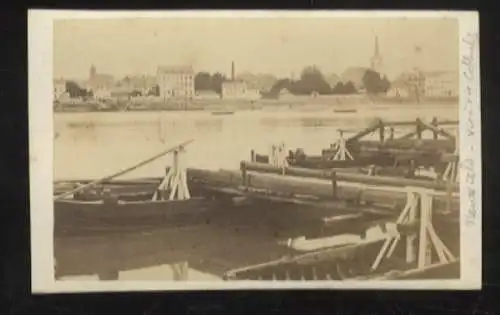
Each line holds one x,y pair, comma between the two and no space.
232,71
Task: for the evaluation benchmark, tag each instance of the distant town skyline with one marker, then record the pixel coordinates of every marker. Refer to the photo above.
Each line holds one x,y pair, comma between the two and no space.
278,46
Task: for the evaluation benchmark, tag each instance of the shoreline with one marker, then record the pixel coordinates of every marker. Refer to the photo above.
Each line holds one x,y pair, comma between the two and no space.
229,106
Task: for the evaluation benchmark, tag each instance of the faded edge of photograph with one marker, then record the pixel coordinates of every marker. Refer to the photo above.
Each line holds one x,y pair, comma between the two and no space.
210,152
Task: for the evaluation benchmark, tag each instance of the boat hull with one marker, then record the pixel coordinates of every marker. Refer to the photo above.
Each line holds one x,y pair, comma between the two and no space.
117,206
74,217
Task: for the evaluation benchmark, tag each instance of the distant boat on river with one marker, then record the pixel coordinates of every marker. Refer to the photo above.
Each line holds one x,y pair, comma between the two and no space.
345,110
222,113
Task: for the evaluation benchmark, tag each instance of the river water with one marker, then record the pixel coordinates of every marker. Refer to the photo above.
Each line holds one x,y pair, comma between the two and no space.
93,145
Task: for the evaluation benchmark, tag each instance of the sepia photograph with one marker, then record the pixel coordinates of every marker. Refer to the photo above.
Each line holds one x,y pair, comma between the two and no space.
264,150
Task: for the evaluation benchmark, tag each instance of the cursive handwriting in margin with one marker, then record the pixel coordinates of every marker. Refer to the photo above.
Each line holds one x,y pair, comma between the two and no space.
467,166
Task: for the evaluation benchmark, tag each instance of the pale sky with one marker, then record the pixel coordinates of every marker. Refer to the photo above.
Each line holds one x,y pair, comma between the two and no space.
280,46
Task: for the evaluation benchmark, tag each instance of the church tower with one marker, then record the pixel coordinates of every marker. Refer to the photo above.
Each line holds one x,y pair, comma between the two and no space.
376,60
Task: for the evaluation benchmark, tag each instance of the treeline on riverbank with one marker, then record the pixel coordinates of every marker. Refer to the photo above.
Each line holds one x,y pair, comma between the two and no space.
312,81
295,102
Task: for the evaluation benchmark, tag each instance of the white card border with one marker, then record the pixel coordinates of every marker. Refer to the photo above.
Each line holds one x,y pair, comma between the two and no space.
40,46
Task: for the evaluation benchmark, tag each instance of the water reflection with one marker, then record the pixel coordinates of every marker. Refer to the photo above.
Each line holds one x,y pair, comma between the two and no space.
92,145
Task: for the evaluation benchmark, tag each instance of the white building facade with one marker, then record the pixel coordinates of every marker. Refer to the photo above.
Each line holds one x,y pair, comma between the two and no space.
441,84
176,81
234,90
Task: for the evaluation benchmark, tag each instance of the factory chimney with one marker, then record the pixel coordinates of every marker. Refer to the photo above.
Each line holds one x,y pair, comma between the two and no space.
232,71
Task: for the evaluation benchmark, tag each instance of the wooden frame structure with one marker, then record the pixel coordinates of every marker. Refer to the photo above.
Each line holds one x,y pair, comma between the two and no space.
452,171
175,181
341,146
420,126
418,211
278,155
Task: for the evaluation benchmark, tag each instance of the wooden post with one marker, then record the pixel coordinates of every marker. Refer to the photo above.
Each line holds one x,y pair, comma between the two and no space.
391,133
419,200
423,249
434,123
244,175
334,185
252,155
180,271
342,151
411,239
418,128
382,132
176,179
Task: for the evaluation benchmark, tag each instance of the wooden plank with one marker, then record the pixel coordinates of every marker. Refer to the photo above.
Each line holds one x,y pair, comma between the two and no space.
299,186
347,177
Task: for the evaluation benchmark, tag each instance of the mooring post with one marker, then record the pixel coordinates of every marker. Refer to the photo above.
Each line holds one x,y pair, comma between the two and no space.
434,123
252,156
382,131
418,129
334,185
424,246
412,237
244,175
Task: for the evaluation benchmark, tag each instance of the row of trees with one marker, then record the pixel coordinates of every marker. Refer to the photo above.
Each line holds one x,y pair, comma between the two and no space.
204,81
312,80
75,91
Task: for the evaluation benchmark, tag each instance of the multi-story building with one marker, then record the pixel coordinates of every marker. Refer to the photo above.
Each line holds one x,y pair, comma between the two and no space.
234,89
414,81
176,81
441,84
100,84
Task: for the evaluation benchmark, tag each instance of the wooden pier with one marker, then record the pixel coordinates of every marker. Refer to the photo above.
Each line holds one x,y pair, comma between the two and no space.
270,199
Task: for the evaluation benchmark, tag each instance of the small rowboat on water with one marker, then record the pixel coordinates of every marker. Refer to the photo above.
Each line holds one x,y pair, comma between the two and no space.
222,113
345,110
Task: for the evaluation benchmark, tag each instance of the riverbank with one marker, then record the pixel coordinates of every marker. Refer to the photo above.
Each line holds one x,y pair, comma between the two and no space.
300,103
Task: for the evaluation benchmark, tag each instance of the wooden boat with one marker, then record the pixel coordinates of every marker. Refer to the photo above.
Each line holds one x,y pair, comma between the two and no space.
324,162
119,205
353,261
352,177
345,110
223,113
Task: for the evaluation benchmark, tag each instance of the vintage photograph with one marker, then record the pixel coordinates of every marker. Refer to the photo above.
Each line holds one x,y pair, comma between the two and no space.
266,149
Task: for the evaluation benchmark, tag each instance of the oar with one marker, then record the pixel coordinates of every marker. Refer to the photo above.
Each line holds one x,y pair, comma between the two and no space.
157,156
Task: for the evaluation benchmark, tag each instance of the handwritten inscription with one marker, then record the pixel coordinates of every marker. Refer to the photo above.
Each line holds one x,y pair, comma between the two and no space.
468,176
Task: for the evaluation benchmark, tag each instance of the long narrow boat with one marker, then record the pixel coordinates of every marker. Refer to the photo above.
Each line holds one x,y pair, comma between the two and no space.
344,262
119,205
